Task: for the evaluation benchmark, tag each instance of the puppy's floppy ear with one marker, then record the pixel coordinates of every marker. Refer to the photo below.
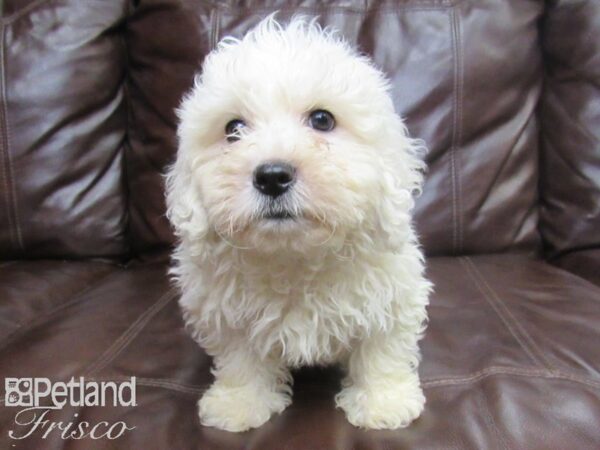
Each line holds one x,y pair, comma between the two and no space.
184,207
401,181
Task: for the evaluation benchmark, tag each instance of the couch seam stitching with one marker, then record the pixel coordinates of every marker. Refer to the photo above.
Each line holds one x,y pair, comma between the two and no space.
575,378
144,381
8,140
51,311
32,324
510,317
451,155
217,26
478,376
458,129
504,320
425,384
495,370
129,334
158,382
433,383
525,371
456,119
212,37
3,142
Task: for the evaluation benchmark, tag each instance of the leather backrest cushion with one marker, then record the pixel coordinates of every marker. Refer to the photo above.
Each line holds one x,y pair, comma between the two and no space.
570,113
466,76
62,127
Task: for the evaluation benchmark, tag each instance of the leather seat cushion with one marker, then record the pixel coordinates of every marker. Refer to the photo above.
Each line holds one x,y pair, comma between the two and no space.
510,359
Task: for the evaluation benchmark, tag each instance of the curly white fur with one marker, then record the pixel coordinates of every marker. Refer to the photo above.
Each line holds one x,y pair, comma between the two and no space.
341,283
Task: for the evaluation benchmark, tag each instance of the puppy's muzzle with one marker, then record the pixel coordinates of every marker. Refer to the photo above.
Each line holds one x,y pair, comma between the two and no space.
274,178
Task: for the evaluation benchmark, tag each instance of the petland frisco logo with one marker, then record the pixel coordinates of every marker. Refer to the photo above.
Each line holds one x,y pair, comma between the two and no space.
39,396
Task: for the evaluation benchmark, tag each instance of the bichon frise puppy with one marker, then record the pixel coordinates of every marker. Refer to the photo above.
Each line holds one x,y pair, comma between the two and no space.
291,197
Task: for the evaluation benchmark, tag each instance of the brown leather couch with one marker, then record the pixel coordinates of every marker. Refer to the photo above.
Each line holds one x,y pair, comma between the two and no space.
506,94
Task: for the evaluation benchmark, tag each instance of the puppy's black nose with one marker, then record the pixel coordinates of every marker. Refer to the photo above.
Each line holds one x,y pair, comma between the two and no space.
274,178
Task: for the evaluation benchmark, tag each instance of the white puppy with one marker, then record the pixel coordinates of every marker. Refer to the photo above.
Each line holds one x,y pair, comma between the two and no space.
291,197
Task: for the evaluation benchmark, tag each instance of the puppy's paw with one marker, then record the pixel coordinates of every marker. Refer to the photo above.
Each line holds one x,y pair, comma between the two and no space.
239,408
389,405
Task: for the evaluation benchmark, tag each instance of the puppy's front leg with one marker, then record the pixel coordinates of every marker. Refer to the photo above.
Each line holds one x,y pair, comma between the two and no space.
382,389
247,390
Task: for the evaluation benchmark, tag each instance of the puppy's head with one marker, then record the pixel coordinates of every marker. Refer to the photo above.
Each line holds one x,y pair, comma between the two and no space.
289,140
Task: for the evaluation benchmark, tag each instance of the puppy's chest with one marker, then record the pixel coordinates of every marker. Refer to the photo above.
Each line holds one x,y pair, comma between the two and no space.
311,324
305,336
304,317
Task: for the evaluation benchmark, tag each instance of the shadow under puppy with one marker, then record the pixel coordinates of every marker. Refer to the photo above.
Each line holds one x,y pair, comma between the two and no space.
291,196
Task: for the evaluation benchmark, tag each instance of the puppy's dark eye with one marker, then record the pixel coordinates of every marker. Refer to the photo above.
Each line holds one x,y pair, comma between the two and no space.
233,129
321,120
